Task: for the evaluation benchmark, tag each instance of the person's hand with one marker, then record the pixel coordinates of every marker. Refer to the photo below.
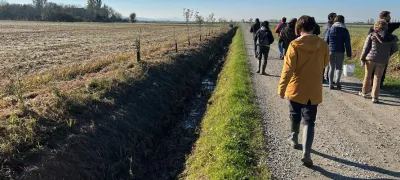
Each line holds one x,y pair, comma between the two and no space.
349,57
362,63
282,96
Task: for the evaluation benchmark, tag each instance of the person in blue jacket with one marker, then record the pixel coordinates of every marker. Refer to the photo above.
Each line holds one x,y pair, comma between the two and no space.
338,38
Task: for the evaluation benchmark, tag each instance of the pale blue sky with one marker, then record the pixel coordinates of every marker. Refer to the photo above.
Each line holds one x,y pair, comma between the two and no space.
353,10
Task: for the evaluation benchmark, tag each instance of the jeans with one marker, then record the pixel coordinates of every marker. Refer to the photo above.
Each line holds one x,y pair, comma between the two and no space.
335,65
280,47
308,113
325,73
305,112
378,69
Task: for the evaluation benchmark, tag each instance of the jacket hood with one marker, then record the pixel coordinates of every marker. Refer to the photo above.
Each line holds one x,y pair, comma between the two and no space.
308,43
380,38
339,24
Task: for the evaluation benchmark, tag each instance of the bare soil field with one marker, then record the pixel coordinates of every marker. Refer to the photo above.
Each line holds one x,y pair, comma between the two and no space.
28,47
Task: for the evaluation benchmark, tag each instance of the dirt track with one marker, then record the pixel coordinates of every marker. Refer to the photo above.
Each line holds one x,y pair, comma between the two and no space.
354,138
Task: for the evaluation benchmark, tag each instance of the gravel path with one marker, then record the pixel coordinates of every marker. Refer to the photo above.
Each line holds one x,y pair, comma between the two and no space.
354,138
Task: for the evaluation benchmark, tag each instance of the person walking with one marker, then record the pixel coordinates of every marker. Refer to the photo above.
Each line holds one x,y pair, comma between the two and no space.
281,26
338,38
254,28
385,15
301,82
378,48
263,39
328,25
288,35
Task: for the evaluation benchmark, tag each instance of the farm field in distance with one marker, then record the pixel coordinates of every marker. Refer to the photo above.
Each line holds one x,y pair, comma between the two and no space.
43,53
29,47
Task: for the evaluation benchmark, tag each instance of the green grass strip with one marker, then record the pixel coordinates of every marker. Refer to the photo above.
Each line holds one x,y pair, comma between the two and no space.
231,144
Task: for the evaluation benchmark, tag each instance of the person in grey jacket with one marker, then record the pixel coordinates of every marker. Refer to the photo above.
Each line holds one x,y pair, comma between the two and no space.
328,25
376,54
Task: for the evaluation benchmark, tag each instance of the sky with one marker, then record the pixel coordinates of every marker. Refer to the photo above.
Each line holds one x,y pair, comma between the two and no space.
353,10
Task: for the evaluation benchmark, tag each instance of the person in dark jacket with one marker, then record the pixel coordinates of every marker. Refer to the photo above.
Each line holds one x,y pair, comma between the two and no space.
256,26
328,25
288,35
264,39
338,38
385,15
377,50
317,30
281,26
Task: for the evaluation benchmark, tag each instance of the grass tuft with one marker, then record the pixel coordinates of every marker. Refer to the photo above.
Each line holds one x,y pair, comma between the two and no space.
231,144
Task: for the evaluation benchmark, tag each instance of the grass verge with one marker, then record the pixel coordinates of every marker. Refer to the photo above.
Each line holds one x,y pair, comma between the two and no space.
231,144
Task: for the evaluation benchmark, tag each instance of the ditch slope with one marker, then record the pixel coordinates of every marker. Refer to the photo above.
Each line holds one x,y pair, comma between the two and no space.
354,139
113,127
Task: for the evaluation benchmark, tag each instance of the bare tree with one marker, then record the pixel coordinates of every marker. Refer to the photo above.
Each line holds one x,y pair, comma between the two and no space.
250,20
211,21
39,5
132,17
187,15
199,20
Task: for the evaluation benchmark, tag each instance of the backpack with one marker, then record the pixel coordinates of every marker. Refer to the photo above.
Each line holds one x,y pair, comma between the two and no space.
263,38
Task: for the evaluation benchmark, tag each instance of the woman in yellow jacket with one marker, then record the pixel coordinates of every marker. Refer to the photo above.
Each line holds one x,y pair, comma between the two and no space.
301,82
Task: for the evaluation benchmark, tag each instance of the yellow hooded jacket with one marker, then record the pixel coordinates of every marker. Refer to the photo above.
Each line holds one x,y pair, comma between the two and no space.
301,79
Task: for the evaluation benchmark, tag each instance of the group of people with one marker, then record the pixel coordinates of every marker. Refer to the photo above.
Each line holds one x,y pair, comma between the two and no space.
308,56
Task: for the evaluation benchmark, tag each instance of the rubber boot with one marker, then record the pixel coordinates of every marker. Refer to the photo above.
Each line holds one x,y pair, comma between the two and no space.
294,139
308,138
259,66
264,66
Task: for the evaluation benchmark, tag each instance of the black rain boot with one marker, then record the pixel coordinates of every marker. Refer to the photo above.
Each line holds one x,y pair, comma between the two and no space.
264,66
308,138
294,139
259,66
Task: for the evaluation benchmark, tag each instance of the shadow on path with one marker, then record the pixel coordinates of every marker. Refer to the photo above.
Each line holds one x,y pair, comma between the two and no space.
354,88
350,163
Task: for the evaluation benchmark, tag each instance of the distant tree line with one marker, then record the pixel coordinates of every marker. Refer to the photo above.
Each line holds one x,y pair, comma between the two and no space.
41,10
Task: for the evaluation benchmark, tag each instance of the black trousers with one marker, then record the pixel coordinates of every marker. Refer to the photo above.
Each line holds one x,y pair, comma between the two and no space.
305,112
263,52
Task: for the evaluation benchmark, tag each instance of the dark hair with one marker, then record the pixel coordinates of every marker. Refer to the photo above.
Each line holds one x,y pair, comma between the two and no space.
257,20
265,24
284,19
292,22
384,14
339,18
332,16
305,23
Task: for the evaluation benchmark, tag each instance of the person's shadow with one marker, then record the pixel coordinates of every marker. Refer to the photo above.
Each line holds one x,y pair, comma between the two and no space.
350,163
